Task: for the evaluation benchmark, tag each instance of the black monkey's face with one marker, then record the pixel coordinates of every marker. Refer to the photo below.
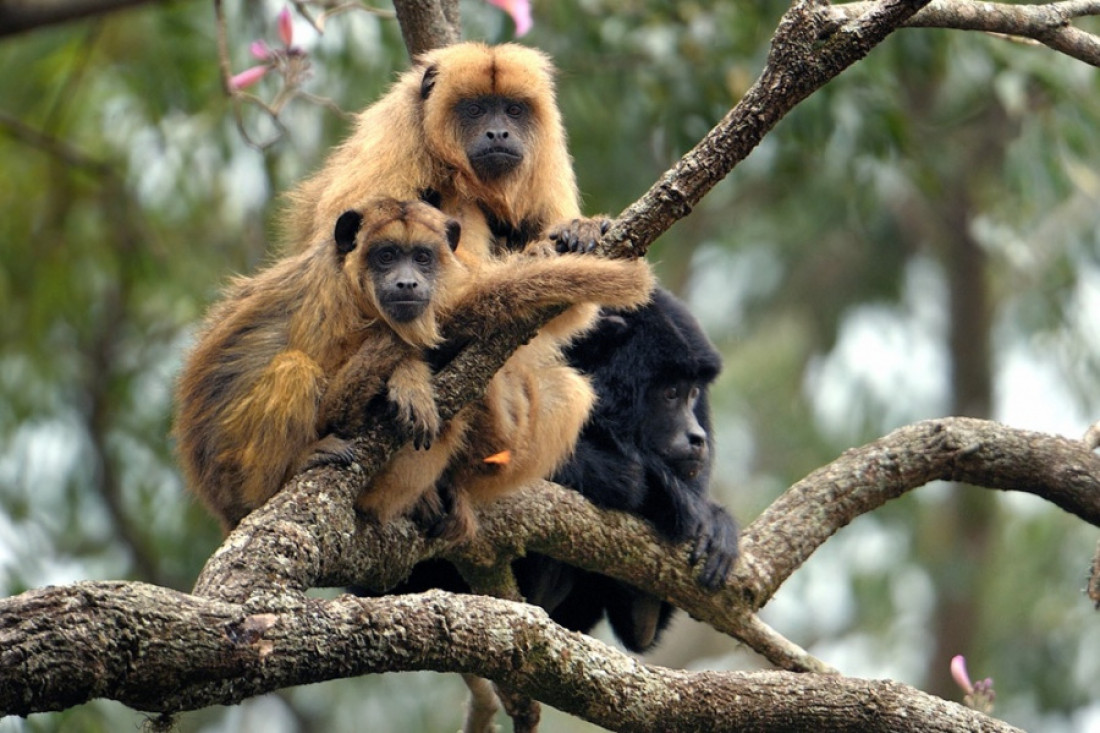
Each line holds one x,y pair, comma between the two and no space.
672,429
493,130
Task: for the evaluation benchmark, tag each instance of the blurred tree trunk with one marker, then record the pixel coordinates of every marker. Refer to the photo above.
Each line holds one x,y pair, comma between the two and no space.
960,548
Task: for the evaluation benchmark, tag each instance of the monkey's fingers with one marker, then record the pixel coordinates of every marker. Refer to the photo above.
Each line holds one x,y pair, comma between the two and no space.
445,513
579,235
716,547
328,451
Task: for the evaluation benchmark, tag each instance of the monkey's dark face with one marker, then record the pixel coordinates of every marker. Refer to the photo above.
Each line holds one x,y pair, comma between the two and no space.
672,429
403,275
493,130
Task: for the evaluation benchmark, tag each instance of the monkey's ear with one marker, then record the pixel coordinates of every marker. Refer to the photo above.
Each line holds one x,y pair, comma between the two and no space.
347,226
428,82
454,231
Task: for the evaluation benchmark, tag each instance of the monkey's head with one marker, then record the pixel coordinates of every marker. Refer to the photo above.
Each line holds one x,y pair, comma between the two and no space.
398,257
489,113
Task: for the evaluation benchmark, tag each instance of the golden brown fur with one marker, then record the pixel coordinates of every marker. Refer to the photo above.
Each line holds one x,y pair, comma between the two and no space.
404,146
293,357
412,144
251,392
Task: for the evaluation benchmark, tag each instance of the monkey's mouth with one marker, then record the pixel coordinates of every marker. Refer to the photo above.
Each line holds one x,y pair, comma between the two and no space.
687,468
404,311
495,162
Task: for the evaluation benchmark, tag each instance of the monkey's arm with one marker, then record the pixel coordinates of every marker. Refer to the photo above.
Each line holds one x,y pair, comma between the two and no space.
680,510
515,288
410,389
382,366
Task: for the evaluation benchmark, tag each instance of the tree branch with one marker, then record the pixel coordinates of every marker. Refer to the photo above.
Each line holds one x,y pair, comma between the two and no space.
158,650
17,16
560,523
1047,24
428,24
806,53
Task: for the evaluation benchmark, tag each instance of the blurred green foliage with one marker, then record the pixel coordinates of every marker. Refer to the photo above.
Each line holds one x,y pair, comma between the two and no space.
822,267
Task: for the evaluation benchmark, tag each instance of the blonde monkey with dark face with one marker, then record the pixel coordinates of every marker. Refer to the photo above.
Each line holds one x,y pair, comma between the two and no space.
293,361
475,130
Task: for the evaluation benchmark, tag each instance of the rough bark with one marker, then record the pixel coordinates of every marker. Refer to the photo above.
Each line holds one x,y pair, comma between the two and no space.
428,24
162,651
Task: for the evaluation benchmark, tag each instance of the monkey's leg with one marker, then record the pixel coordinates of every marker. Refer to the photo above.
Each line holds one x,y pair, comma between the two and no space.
274,421
535,412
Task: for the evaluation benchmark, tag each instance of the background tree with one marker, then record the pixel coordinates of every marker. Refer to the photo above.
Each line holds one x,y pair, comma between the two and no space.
833,267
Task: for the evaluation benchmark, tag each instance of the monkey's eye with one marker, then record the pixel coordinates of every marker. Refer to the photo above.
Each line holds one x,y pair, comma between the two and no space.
672,393
385,256
473,110
423,257
515,110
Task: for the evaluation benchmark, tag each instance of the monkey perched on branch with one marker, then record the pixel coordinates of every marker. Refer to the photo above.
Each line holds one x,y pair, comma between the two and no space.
473,129
294,358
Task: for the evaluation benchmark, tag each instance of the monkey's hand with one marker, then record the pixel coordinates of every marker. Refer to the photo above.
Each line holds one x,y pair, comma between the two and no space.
445,512
579,235
715,546
410,391
328,451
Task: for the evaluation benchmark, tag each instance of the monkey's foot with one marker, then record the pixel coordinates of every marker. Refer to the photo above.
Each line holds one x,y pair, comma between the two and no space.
579,235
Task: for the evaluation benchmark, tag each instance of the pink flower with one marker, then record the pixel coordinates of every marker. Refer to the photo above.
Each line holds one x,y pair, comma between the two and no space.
958,672
260,50
520,10
978,695
286,27
248,77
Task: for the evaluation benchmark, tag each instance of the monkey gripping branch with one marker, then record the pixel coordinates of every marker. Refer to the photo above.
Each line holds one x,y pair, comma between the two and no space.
249,628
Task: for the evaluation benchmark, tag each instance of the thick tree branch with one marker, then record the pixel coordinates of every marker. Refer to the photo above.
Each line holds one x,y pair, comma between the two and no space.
17,16
428,24
162,651
978,452
273,550
1048,24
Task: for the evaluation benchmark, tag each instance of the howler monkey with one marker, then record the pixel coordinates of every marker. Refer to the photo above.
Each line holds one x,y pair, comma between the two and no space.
475,130
646,449
293,358
471,128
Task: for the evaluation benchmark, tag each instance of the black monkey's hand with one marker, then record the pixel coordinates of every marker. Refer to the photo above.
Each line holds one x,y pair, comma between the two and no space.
579,235
715,547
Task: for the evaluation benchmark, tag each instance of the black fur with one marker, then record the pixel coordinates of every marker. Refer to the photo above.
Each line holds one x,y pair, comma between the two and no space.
617,467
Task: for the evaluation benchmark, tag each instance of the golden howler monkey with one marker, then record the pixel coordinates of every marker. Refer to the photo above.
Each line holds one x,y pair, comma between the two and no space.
294,357
474,129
